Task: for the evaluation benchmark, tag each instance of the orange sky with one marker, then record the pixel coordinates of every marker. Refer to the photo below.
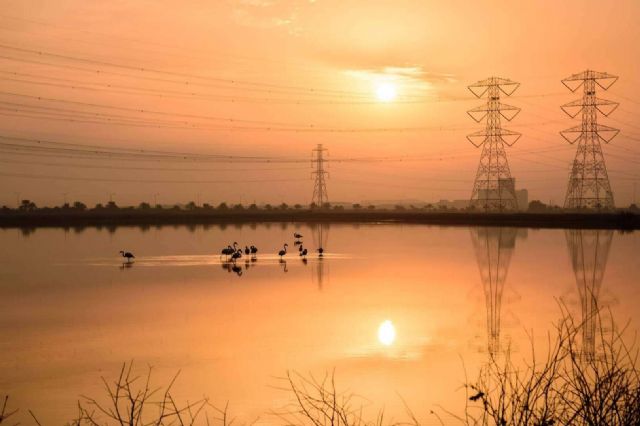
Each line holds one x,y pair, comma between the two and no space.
310,63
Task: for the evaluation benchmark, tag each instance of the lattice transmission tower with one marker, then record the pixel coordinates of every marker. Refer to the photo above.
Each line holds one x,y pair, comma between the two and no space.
319,174
494,188
589,185
494,247
589,251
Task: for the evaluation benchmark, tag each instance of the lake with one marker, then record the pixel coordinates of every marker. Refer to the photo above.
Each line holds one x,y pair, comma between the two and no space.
396,312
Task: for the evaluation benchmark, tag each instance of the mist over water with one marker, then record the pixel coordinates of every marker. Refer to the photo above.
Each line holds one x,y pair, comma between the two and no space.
395,309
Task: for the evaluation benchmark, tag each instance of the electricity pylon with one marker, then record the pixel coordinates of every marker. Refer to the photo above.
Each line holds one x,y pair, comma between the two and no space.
589,185
494,188
589,250
494,247
319,197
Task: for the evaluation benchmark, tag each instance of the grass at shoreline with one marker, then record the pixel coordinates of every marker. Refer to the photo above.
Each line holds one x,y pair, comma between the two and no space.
623,220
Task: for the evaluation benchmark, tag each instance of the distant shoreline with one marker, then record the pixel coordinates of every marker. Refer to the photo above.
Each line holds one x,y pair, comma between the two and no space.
622,220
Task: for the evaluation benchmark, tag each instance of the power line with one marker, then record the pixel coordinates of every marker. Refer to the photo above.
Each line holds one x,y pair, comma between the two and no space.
146,111
135,180
233,82
193,95
272,126
163,169
69,150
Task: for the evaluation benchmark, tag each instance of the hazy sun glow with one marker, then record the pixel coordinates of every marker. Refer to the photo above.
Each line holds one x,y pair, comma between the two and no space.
386,92
386,333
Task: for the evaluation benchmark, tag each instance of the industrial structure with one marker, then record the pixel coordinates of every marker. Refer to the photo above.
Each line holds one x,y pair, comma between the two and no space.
494,188
318,159
589,185
589,251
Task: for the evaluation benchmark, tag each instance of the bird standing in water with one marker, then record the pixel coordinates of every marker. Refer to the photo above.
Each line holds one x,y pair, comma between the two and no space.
228,251
284,251
236,255
303,253
127,255
321,251
247,250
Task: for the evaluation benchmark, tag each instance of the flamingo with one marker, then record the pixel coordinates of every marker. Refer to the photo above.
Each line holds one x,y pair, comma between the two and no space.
227,251
296,235
300,248
127,255
320,250
254,249
303,253
284,251
247,251
236,255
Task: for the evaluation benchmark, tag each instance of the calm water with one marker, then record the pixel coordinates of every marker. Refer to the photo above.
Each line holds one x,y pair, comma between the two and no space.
70,311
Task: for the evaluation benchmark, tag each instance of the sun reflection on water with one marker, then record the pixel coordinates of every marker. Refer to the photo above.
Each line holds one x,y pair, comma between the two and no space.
386,333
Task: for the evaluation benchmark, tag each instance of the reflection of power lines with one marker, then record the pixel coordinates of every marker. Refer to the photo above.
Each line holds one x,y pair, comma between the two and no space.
320,269
589,250
494,247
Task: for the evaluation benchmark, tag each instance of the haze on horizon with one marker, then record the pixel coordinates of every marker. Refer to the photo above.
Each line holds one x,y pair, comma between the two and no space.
366,79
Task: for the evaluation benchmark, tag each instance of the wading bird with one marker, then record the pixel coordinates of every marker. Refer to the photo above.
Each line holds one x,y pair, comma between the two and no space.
284,251
254,249
320,250
247,250
296,235
236,255
127,255
228,251
300,248
303,253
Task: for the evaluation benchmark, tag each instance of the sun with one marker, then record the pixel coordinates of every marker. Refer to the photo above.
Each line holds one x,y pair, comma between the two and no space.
386,333
386,92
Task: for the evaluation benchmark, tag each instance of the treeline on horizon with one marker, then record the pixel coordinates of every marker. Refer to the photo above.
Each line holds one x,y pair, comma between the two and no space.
28,206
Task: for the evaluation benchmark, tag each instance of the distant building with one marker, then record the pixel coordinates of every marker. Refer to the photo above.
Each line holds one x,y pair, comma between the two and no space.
506,187
522,196
505,191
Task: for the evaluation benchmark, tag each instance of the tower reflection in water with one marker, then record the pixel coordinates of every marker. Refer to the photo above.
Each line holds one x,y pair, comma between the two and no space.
494,247
589,252
319,268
